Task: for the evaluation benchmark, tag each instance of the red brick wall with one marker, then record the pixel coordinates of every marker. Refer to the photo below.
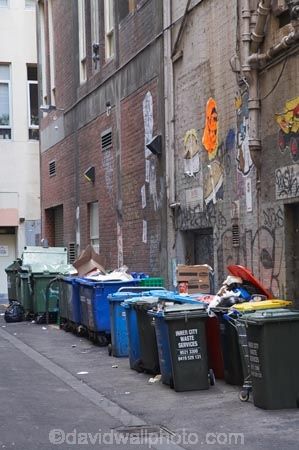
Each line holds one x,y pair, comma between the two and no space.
138,256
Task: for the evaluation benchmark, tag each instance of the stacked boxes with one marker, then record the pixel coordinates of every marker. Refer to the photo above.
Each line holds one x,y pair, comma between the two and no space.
199,278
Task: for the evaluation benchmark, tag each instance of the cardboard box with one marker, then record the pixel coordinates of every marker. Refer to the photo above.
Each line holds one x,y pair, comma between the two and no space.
88,261
198,277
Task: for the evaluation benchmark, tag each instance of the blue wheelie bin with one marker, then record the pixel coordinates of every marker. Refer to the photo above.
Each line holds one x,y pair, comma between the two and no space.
181,339
119,331
94,305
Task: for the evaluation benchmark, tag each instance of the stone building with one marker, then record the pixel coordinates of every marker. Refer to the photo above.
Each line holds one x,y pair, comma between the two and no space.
19,133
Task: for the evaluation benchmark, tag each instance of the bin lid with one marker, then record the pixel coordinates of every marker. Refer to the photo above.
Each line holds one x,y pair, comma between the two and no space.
13,267
173,296
245,274
184,311
42,255
270,315
38,268
265,304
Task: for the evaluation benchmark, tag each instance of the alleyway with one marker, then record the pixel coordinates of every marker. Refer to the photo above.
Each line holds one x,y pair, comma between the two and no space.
41,390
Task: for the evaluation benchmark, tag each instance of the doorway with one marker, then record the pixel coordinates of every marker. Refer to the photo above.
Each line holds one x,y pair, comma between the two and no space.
292,251
203,247
7,256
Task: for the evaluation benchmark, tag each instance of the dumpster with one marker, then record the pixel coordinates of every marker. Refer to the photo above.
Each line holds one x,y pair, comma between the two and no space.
181,338
44,255
69,303
12,272
119,333
273,337
94,306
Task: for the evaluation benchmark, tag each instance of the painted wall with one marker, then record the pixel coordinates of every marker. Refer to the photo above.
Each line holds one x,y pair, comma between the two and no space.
19,158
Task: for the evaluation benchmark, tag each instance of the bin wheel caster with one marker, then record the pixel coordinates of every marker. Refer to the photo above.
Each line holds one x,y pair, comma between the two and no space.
109,349
212,377
244,396
102,340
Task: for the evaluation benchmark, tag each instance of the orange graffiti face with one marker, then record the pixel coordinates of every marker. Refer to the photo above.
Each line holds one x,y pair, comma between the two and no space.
210,136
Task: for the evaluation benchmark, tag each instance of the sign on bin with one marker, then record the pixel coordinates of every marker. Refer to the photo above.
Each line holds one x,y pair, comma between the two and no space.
187,345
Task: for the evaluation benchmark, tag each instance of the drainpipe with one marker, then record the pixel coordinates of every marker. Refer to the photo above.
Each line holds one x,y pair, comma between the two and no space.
169,133
286,42
258,34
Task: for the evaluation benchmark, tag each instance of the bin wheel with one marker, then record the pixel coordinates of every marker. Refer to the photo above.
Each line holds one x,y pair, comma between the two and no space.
102,340
109,349
244,396
212,377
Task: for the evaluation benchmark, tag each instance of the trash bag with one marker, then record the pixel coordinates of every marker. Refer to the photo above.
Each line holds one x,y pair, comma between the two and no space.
14,313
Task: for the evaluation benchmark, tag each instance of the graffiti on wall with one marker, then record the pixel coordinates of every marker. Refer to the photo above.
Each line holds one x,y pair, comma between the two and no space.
150,163
244,161
191,154
287,182
210,135
288,135
213,182
194,217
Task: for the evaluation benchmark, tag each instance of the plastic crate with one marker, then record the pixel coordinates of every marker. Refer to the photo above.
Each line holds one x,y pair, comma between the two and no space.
152,281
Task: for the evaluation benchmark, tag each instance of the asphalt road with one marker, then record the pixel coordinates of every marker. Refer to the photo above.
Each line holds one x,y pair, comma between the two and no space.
41,390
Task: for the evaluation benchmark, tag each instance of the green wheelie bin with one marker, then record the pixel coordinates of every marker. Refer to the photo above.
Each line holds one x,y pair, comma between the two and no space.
41,276
25,292
273,337
12,273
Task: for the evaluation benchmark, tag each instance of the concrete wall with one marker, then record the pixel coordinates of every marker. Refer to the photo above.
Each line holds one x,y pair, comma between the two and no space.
19,158
223,190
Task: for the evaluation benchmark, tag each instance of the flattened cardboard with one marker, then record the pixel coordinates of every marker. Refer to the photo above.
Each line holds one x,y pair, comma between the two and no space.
88,261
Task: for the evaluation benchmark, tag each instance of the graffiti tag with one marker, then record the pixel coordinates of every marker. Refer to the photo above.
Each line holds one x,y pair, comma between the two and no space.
287,182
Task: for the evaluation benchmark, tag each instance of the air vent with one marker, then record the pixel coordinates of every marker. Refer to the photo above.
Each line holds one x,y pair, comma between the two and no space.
236,236
106,139
72,252
52,168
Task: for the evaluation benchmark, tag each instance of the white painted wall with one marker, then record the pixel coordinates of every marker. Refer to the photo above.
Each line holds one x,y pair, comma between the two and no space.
19,157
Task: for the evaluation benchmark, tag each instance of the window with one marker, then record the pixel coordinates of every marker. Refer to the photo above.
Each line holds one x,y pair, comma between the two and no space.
125,7
82,40
5,119
30,4
33,121
94,18
3,3
94,225
109,28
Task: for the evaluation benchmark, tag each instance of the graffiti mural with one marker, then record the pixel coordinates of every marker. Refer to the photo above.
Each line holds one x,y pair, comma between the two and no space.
213,182
191,154
288,121
244,161
210,135
287,182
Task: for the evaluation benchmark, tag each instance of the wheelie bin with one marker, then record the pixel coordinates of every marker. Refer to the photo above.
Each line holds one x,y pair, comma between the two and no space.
25,292
273,337
181,338
119,331
41,276
12,273
94,306
69,303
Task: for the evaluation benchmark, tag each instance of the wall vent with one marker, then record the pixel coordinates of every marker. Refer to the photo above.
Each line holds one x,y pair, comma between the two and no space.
106,139
236,235
52,168
72,252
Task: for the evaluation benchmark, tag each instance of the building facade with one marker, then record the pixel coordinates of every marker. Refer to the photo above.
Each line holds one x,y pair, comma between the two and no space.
19,133
101,72
213,88
235,108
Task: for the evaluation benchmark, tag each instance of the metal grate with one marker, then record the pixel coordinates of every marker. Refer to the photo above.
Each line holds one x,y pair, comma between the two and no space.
72,252
106,139
52,168
236,235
